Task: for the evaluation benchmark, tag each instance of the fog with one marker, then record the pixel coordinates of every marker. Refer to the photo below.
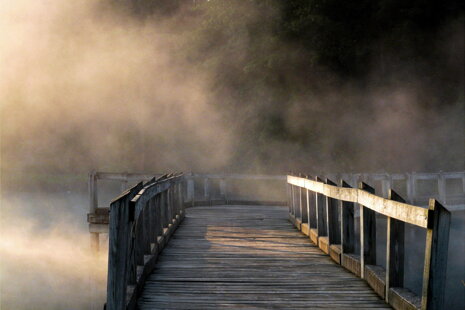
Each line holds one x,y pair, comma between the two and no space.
46,262
90,85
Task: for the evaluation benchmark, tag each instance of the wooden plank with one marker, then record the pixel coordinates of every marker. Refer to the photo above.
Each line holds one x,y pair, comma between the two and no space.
256,261
402,298
321,219
335,252
314,236
308,203
125,176
375,277
334,232
394,250
347,224
367,233
401,211
238,176
352,263
300,202
305,229
119,247
437,242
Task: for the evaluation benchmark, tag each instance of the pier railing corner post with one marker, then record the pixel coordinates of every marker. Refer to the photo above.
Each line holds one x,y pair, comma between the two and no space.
367,233
395,239
436,250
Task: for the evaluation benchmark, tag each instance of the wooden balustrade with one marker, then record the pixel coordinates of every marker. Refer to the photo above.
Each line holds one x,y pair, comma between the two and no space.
142,220
200,189
330,223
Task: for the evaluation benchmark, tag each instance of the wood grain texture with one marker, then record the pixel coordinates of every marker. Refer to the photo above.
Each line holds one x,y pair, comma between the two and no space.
249,257
401,211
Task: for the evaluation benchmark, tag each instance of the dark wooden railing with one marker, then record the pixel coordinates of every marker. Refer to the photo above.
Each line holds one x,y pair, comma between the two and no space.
141,222
326,213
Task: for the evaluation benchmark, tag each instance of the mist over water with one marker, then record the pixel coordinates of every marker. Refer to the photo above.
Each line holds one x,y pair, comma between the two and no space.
91,85
46,262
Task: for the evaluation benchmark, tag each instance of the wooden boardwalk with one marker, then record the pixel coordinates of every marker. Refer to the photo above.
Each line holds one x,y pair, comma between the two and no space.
249,257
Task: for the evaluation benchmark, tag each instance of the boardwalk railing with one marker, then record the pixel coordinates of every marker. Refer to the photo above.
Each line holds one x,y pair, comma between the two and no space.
416,187
214,189
141,220
325,212
198,189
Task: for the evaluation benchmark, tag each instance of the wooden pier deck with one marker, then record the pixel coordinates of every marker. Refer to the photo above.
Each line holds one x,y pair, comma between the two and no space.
249,257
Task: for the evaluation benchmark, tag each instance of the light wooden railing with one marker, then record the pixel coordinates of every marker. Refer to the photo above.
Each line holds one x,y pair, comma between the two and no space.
325,212
141,220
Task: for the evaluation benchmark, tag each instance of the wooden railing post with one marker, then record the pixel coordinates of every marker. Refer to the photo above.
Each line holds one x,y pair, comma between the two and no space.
367,233
288,192
437,244
300,216
320,212
93,205
119,249
347,224
223,190
410,182
307,199
311,199
190,190
292,200
442,188
333,231
206,189
395,238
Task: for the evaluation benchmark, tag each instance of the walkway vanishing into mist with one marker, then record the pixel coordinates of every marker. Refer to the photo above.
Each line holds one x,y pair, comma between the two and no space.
210,241
249,257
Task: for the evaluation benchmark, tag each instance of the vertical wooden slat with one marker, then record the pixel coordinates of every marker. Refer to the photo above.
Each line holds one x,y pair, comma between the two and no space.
308,207
190,190
321,212
347,224
293,200
288,192
223,191
410,182
312,209
442,188
123,185
367,233
119,250
437,243
394,249
206,189
334,233
303,197
300,202
93,204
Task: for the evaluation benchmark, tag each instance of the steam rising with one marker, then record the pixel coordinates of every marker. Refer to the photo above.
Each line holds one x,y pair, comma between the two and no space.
46,261
83,88
86,85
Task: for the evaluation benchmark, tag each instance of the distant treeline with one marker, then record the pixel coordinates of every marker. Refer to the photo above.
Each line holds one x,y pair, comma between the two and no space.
327,61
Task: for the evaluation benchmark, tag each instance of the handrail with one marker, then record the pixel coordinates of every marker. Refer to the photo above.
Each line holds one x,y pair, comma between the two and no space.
325,212
142,220
398,210
225,195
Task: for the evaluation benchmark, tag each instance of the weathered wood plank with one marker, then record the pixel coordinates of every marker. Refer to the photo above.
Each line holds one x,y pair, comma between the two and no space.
347,224
367,233
249,257
437,242
400,211
394,250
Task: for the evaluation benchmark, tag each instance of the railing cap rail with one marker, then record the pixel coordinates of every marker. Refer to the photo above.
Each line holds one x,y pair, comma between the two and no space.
398,210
